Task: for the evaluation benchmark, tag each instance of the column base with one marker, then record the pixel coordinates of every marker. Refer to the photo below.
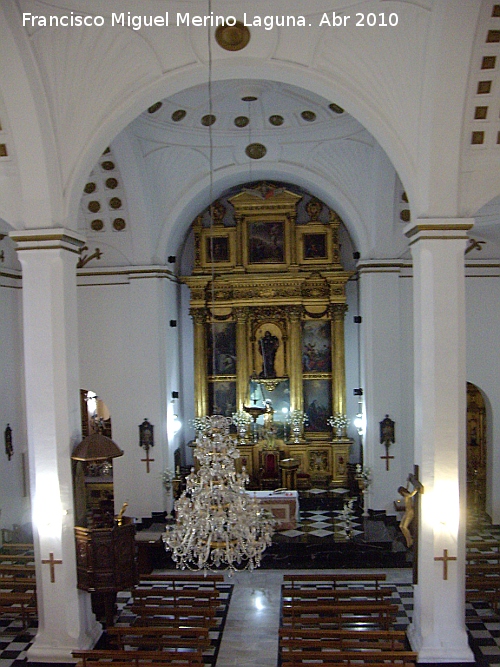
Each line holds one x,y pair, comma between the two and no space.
457,653
40,652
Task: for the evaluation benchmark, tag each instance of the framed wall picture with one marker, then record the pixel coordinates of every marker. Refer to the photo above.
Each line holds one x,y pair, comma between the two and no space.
314,243
316,346
221,348
222,398
217,247
314,246
266,242
317,404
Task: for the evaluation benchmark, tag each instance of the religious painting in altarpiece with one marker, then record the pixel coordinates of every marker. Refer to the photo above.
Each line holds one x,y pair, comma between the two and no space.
268,304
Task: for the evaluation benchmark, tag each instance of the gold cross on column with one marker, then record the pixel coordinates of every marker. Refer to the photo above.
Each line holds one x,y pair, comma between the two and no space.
51,561
445,558
147,460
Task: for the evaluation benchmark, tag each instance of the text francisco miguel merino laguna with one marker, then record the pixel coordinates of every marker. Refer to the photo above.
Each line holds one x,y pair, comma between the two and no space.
137,21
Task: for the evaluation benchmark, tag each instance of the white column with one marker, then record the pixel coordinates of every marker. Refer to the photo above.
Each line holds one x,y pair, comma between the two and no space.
438,630
48,258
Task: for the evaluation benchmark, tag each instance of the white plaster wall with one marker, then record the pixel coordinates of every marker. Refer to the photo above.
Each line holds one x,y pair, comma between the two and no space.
483,365
386,388
128,356
14,506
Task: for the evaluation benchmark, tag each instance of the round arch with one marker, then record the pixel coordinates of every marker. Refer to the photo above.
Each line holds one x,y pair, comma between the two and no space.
373,119
199,197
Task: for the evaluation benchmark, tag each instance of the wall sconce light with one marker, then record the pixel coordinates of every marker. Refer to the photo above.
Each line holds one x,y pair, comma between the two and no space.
9,449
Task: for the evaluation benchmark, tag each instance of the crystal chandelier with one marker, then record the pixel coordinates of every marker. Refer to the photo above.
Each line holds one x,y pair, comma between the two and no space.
218,525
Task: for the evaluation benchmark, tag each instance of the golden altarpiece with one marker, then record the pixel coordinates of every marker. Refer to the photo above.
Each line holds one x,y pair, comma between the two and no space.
268,305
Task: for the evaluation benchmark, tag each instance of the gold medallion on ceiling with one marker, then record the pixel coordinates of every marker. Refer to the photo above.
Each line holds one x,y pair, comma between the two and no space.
255,151
119,224
232,37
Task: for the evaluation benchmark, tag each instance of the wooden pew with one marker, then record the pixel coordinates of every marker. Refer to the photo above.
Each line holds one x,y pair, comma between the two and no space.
483,589
182,580
325,595
162,615
291,639
158,638
329,658
17,570
333,580
18,604
16,558
16,547
340,614
117,658
177,596
21,585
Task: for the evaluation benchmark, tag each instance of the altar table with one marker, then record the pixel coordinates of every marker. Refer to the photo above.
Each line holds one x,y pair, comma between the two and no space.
284,506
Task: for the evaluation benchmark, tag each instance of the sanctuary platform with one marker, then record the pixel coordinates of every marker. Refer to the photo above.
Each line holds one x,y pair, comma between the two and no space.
320,539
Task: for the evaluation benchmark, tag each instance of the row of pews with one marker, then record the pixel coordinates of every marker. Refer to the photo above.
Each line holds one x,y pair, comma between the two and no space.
172,614
17,582
482,572
340,619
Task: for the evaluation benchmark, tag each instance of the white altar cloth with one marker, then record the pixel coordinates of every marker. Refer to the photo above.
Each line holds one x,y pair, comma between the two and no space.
284,506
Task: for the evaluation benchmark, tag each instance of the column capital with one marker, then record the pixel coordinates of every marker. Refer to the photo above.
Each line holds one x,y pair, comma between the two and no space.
241,313
338,311
438,229
48,239
199,315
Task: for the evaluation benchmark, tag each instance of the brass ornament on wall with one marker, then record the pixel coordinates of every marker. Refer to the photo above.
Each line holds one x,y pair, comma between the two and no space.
208,119
232,38
111,183
309,116
335,108
108,165
256,151
97,225
155,107
241,121
119,224
276,120
178,115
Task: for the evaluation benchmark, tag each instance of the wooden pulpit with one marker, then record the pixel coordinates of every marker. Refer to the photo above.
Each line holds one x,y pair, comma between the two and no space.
106,564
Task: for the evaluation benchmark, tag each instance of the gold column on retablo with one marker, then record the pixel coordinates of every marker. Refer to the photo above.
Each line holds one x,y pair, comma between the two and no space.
199,316
339,405
242,373
295,355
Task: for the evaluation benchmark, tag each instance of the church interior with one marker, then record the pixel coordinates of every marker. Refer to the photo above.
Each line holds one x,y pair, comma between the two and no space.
261,259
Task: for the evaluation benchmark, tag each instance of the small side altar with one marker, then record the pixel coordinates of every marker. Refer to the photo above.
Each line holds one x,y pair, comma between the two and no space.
284,506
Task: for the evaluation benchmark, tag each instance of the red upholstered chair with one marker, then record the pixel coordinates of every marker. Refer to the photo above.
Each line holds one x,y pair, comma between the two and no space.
269,470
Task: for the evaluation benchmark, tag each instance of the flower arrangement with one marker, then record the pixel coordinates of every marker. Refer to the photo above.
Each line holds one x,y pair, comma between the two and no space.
241,418
338,422
364,474
199,424
297,418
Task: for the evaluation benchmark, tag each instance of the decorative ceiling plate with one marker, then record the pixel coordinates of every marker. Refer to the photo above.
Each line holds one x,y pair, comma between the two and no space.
255,151
232,37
